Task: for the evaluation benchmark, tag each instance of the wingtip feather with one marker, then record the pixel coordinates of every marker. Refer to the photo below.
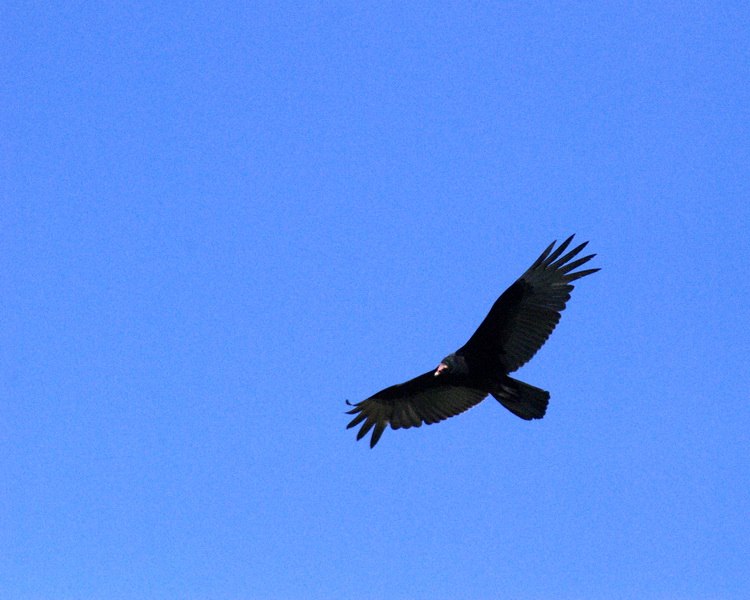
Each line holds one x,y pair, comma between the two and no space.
558,251
365,428
544,255
575,264
376,433
356,420
579,274
561,261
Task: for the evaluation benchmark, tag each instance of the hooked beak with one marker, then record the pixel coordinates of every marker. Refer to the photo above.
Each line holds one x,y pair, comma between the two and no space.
441,367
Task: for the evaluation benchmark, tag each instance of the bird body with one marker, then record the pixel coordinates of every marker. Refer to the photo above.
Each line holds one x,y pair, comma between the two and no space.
518,324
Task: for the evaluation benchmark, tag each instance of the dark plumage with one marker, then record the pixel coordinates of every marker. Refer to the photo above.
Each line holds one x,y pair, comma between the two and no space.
518,324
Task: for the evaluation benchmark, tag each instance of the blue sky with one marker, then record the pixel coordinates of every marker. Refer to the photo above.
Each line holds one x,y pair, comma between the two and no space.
220,220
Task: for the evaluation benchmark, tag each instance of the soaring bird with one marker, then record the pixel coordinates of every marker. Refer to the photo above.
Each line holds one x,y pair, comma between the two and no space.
517,325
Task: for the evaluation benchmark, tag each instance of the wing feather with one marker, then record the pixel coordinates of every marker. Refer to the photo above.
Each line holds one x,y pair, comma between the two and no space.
524,316
424,399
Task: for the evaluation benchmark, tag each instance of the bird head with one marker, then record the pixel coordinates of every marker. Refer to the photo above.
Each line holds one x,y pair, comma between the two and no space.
441,367
452,364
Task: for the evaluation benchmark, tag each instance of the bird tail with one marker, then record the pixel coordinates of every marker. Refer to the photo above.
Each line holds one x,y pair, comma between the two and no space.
522,399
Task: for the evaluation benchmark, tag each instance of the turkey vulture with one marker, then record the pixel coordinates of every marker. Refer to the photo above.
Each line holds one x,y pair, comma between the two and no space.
518,324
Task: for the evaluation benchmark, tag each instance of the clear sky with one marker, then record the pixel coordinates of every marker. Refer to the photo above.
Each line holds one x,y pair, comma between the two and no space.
220,220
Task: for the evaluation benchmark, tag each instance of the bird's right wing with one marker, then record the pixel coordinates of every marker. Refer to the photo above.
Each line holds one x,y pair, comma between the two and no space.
424,399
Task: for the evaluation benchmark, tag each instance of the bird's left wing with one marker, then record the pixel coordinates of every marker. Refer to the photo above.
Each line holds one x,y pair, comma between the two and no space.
524,316
424,399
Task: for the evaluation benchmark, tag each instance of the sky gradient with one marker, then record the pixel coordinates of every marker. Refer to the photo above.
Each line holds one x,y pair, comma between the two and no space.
219,221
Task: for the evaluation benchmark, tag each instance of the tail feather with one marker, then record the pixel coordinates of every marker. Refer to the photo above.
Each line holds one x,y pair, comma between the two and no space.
522,399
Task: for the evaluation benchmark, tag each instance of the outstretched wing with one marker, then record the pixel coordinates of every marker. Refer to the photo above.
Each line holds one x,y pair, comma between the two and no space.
424,399
524,316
